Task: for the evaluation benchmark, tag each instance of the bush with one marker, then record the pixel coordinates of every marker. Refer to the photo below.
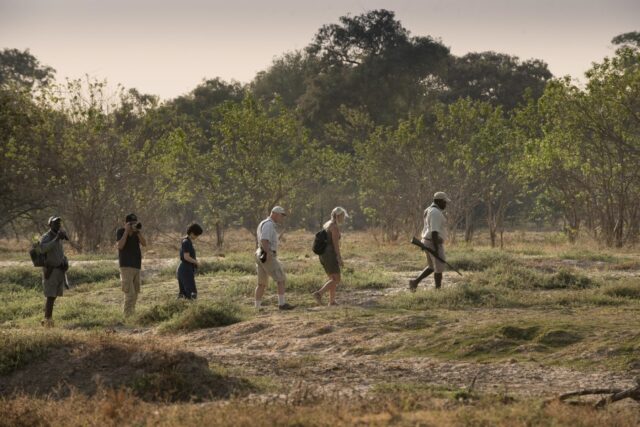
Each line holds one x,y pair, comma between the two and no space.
162,312
624,291
200,316
18,348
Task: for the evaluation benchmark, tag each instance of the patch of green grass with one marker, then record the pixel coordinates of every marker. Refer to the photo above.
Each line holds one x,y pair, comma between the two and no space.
478,260
515,276
624,290
18,347
587,255
457,297
162,312
86,314
31,277
200,316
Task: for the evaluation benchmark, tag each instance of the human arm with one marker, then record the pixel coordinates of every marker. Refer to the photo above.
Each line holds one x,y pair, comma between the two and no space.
435,238
187,250
123,239
335,240
48,242
142,240
266,246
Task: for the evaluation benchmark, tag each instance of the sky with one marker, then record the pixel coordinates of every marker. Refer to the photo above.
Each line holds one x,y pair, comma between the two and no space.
167,48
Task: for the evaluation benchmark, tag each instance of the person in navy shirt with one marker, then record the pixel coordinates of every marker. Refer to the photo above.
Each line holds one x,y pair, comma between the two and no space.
188,264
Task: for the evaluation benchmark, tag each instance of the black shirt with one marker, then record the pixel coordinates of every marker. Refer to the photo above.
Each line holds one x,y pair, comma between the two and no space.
187,246
130,255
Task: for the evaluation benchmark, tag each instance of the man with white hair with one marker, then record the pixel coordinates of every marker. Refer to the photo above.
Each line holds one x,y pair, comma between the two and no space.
434,234
267,262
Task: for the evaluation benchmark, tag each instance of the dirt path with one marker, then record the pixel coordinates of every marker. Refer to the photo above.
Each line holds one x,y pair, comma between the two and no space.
326,357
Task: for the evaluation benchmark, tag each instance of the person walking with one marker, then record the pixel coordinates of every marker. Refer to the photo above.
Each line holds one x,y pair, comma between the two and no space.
129,239
434,235
267,263
54,276
331,258
188,264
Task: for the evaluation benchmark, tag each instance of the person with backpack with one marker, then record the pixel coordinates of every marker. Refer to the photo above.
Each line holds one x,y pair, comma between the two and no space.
128,239
186,272
267,262
55,266
331,258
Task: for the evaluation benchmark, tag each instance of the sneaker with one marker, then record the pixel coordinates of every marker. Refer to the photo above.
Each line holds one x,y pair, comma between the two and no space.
413,285
286,306
332,304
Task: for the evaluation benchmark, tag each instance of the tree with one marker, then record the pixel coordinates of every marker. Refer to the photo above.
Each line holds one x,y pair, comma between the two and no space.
495,78
591,141
397,176
258,157
22,68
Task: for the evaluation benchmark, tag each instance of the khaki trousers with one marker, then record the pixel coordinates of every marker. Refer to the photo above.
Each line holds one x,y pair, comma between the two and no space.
130,280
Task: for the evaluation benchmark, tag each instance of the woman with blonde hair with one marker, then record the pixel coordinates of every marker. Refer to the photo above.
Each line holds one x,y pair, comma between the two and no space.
331,258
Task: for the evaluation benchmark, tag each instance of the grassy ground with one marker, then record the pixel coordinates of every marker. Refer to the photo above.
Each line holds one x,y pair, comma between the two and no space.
523,324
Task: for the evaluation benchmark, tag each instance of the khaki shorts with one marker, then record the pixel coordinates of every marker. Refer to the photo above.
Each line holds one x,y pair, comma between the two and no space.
272,268
130,279
54,285
437,265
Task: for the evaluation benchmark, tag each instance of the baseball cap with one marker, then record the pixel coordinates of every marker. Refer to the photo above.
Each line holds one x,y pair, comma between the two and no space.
279,209
441,195
53,219
131,217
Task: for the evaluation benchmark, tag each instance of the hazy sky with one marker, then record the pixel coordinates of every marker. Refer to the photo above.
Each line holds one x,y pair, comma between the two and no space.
167,47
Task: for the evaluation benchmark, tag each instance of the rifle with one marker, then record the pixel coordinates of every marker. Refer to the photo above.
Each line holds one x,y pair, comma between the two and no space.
432,252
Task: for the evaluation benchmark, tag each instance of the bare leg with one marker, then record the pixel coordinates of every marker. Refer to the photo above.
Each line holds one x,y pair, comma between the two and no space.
48,307
260,291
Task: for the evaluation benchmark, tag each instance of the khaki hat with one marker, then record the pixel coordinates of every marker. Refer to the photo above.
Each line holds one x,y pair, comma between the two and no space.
441,195
279,210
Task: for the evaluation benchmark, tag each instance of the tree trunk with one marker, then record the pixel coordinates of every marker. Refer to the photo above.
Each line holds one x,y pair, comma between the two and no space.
468,225
219,235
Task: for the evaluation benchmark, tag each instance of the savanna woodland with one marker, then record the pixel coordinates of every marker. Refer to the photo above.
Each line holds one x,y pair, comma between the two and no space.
543,173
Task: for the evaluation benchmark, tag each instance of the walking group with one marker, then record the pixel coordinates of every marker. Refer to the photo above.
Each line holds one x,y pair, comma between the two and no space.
130,239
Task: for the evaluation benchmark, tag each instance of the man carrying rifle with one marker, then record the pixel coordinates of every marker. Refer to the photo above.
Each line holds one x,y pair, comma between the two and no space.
434,235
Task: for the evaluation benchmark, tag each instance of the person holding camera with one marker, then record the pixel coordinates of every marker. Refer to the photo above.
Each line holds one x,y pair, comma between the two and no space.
186,272
267,262
129,238
55,266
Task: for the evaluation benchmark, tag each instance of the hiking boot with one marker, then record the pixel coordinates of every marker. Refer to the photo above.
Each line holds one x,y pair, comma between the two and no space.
413,285
286,306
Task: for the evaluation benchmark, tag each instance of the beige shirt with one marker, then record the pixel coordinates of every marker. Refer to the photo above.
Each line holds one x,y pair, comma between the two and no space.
434,220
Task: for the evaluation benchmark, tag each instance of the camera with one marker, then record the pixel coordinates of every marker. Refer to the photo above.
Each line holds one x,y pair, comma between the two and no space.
136,226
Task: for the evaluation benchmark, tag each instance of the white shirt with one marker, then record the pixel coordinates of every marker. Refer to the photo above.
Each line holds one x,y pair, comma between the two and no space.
434,220
267,231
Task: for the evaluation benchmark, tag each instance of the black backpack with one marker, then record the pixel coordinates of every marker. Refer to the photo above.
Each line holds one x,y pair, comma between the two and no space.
320,242
37,257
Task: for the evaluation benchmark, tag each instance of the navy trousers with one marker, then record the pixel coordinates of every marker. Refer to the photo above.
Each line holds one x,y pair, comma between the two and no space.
186,281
